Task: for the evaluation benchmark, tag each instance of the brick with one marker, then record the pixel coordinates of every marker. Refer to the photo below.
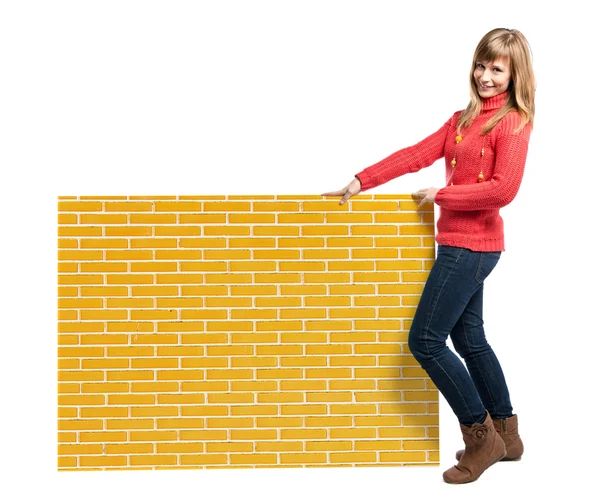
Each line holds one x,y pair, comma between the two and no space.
242,331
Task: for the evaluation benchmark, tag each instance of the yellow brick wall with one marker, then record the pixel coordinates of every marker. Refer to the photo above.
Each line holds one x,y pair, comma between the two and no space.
242,331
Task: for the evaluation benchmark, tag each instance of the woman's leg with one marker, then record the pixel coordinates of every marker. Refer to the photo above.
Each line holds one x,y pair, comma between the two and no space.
456,275
468,338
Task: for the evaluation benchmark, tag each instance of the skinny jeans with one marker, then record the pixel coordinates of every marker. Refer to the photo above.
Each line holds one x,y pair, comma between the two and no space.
452,304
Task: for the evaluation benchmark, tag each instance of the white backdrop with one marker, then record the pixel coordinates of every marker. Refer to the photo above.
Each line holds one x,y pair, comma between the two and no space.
288,97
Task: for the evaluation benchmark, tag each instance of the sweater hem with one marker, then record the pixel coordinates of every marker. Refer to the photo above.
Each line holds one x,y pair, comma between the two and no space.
481,245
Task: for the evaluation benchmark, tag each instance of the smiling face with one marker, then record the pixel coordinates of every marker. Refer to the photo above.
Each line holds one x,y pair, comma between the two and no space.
492,78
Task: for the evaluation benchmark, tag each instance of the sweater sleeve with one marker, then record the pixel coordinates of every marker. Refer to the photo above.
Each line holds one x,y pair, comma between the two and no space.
407,160
501,189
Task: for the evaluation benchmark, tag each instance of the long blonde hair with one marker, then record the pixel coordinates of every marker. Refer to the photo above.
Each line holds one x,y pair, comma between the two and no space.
499,43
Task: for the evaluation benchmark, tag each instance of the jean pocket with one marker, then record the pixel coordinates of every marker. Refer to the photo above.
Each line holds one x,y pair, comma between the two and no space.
450,251
487,262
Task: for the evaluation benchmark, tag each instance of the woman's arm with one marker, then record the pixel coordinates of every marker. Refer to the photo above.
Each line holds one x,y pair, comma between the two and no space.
407,160
501,189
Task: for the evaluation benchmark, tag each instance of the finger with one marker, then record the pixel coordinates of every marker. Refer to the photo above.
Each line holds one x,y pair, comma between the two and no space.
334,193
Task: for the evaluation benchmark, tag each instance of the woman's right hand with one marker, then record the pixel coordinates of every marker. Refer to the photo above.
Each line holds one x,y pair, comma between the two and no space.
347,192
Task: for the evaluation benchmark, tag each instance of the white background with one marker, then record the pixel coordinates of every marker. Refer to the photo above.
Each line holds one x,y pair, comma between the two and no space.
288,97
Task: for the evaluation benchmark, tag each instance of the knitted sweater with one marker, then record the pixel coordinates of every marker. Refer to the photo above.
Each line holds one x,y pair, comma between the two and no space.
469,210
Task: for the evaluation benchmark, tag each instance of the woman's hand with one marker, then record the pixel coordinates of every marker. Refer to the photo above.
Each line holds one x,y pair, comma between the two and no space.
426,195
347,192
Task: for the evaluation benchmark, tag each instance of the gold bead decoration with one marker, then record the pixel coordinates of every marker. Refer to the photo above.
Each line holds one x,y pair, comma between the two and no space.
453,163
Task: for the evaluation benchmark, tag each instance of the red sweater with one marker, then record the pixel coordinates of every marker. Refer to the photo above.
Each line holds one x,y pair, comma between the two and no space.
469,210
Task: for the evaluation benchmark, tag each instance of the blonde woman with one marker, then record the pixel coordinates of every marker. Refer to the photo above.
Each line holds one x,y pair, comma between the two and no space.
485,148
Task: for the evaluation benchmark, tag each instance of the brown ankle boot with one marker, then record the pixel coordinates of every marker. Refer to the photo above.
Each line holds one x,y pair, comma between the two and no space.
509,431
484,446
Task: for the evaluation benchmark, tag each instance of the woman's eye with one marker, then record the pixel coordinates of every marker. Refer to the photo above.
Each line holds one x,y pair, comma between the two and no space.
479,65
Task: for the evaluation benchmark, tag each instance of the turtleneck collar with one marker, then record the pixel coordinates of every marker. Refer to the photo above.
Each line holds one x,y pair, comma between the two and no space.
494,102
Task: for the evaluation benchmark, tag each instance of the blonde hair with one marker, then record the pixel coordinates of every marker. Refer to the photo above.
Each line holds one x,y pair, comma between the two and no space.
499,43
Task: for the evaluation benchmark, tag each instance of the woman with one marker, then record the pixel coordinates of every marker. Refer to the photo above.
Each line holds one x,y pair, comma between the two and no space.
485,147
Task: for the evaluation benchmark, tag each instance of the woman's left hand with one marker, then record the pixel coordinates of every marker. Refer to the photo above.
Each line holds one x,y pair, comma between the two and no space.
426,195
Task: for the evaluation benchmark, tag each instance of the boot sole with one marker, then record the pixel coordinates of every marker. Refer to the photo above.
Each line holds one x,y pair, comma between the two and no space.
475,479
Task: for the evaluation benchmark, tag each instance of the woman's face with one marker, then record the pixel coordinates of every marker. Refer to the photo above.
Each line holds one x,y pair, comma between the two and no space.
492,78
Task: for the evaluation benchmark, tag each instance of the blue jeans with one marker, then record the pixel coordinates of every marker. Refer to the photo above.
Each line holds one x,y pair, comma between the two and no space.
452,303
